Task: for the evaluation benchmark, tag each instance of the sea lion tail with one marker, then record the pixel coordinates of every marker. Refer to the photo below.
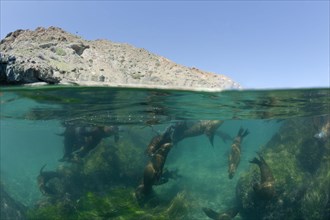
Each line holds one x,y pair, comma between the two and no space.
211,213
240,131
245,133
42,168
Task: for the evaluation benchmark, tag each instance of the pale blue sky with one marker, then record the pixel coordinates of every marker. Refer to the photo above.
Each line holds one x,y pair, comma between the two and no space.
259,44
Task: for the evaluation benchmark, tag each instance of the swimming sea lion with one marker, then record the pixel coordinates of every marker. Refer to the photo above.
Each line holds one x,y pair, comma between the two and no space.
235,154
111,131
153,172
79,141
210,127
266,188
227,215
178,131
157,141
43,180
184,129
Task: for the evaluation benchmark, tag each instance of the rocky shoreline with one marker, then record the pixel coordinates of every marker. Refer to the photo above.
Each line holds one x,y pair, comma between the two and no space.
53,56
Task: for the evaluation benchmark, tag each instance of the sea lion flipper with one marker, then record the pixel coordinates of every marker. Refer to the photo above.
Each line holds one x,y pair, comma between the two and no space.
211,138
240,131
246,133
211,129
211,213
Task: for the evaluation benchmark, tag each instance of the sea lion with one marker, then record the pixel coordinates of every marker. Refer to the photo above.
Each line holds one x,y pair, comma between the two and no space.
266,188
80,140
153,172
210,127
227,215
178,131
184,130
160,139
43,181
93,136
235,154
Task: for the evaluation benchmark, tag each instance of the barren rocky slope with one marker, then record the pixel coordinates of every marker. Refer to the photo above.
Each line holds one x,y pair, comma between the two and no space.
54,56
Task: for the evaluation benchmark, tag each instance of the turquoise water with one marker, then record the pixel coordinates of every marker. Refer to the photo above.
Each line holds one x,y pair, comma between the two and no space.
33,119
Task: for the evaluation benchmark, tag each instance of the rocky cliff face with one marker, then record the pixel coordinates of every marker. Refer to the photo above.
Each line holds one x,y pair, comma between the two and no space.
54,56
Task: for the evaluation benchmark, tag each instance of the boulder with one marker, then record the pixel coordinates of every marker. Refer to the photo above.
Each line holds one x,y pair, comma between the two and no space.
300,165
10,209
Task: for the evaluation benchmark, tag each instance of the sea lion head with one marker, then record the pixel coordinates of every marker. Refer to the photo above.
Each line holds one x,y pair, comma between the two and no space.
109,130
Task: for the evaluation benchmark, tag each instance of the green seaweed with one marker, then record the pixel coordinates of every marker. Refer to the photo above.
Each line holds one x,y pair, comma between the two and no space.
121,162
58,211
118,203
300,165
179,207
316,202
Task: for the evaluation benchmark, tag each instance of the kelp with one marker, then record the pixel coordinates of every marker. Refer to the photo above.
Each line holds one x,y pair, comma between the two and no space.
300,165
118,203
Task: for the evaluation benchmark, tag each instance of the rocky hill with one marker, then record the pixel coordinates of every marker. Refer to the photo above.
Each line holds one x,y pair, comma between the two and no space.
53,56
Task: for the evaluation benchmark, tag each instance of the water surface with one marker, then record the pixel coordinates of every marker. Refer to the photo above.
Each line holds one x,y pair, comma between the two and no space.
32,120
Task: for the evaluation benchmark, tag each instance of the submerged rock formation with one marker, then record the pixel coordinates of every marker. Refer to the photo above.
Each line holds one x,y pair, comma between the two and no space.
10,209
53,56
291,180
300,165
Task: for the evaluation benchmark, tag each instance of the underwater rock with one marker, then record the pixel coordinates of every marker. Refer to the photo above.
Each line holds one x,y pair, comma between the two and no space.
109,164
117,203
311,154
301,192
49,182
114,163
65,183
226,215
54,56
316,200
10,209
